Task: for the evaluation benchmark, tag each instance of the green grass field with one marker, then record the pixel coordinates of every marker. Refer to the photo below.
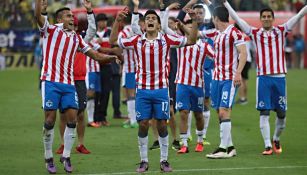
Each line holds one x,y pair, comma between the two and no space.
115,151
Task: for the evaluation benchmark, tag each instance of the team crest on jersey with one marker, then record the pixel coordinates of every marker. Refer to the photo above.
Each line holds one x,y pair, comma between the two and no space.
49,103
138,114
179,105
261,104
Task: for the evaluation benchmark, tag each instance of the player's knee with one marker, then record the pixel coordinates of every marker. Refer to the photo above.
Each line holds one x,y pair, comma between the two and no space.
224,113
206,108
264,112
184,114
281,114
71,125
48,125
143,129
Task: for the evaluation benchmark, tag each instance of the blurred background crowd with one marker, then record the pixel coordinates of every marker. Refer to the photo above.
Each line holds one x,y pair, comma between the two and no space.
19,34
19,13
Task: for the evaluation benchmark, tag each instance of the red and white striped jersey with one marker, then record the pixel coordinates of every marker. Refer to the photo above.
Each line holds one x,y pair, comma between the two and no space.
59,49
270,47
226,54
190,63
152,59
91,64
129,55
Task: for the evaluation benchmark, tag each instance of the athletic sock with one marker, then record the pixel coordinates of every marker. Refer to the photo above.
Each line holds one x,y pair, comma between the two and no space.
131,111
280,125
48,136
90,110
225,130
69,138
230,143
206,124
143,147
265,130
163,141
184,139
199,136
189,124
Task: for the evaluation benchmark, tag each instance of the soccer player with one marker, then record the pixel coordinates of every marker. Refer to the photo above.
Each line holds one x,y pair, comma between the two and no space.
152,100
60,44
230,58
271,71
189,80
208,65
79,78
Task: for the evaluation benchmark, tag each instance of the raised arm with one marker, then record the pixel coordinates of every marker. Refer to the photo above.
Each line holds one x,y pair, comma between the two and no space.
191,39
136,18
91,28
246,28
115,29
38,10
182,13
292,21
164,18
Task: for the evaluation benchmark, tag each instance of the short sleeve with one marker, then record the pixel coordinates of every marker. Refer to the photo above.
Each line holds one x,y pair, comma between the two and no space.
237,37
128,43
175,41
83,47
208,33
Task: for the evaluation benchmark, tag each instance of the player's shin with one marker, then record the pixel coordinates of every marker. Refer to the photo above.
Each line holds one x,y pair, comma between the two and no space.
48,135
69,138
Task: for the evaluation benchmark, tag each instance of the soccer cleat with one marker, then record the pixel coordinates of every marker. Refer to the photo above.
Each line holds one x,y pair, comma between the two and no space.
183,150
242,101
143,167
205,141
93,124
134,125
50,166
199,147
267,151
60,149
277,147
81,149
231,151
165,166
155,145
126,126
176,145
67,164
219,153
105,123
99,124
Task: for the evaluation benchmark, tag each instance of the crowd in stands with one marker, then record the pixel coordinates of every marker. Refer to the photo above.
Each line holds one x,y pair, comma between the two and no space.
18,14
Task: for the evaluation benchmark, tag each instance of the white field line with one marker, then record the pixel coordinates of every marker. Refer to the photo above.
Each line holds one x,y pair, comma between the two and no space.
206,169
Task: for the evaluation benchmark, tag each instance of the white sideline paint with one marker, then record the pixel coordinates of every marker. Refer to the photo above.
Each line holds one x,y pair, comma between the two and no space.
206,169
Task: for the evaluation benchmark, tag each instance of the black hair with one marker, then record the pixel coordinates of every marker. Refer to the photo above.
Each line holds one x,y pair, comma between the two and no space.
58,13
172,18
101,17
198,6
267,9
152,12
222,13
